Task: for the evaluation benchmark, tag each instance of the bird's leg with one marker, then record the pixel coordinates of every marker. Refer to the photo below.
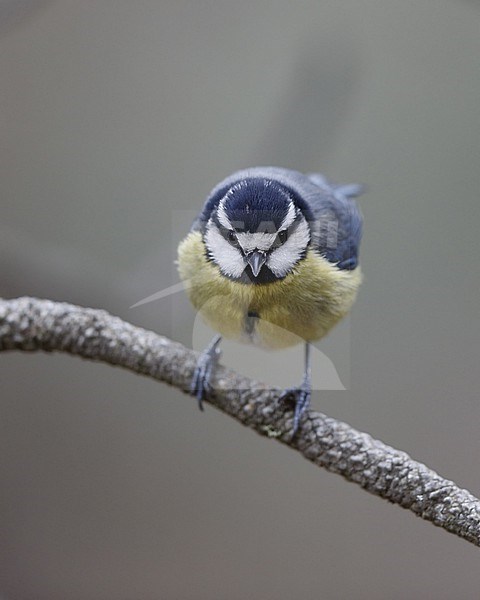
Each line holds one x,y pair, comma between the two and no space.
301,394
206,364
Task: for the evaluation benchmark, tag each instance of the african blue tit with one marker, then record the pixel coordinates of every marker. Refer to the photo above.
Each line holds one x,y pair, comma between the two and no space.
272,260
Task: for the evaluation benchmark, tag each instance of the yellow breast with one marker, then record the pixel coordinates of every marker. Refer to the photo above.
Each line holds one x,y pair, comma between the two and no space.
303,306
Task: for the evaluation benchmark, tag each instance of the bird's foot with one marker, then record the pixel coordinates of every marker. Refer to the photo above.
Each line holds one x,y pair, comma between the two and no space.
301,398
206,364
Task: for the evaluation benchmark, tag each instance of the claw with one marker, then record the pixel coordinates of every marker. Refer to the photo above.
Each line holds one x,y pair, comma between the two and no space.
202,375
301,396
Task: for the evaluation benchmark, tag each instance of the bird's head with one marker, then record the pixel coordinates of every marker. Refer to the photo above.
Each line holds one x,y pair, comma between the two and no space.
256,233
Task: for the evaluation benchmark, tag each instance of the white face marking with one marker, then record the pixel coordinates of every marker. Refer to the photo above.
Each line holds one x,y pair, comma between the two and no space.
256,241
285,257
222,215
226,256
289,217
280,260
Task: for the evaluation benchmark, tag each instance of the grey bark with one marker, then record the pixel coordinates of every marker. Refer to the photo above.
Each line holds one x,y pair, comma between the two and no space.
30,324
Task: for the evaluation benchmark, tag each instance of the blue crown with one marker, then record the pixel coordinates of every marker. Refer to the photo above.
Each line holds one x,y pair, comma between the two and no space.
253,204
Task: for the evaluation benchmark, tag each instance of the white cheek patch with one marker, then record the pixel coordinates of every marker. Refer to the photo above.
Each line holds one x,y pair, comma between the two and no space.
228,258
256,241
284,258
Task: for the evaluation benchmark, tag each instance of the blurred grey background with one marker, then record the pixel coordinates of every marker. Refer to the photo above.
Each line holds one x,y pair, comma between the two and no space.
116,114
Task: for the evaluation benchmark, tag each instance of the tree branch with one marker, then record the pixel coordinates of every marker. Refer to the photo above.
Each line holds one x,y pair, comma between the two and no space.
30,324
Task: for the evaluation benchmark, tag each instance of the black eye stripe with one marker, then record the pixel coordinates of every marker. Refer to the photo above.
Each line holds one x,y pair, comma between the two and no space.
284,234
230,236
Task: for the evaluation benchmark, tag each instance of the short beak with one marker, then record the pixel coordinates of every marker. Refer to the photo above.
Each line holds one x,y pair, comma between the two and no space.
256,260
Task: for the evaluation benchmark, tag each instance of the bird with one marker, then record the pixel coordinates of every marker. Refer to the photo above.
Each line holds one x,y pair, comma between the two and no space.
272,260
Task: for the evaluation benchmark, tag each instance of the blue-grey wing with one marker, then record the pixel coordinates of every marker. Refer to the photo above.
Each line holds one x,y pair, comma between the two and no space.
337,228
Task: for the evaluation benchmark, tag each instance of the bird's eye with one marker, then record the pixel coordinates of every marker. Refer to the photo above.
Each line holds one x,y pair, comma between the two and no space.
282,236
232,237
